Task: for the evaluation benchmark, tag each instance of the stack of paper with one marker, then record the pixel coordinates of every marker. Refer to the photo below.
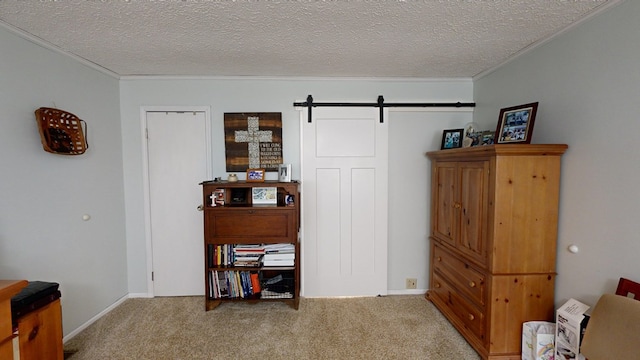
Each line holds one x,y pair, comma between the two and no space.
279,255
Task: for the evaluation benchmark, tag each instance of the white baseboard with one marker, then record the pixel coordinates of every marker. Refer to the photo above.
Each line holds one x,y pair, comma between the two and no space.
95,318
140,295
407,292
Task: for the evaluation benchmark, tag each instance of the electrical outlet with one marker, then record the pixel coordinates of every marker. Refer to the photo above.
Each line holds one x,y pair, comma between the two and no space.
412,283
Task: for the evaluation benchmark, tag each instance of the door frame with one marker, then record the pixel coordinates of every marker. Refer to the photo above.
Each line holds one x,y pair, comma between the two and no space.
145,173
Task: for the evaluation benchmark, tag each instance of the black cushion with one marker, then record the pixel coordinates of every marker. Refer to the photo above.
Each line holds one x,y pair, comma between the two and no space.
33,296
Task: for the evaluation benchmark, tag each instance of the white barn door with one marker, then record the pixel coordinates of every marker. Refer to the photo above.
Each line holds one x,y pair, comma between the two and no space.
344,182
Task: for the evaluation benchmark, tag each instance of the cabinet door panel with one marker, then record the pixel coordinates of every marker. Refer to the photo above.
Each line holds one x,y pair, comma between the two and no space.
474,188
443,217
255,225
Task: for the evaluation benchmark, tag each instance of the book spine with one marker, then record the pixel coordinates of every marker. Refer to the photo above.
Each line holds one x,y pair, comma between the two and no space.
255,282
210,254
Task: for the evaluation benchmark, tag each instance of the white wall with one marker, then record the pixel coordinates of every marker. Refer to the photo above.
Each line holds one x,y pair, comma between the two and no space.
411,135
43,196
587,81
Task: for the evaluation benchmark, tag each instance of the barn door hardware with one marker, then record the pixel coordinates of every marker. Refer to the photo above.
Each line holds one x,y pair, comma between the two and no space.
380,104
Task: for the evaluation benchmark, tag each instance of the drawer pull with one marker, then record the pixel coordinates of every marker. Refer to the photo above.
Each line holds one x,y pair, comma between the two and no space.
437,285
472,284
439,259
471,317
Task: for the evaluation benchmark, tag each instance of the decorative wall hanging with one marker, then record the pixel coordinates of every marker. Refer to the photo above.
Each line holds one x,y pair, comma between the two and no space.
61,132
253,141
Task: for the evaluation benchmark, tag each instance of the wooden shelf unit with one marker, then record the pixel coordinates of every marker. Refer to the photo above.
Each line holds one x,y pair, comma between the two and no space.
494,214
240,221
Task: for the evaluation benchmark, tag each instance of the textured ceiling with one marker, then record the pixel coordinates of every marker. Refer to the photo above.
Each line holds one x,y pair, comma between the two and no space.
424,39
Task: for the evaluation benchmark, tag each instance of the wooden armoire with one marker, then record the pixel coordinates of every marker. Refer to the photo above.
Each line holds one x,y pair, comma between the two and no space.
494,215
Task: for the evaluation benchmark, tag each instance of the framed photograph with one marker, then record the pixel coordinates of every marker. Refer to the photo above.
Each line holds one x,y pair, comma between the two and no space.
487,137
255,175
284,173
451,139
264,195
515,124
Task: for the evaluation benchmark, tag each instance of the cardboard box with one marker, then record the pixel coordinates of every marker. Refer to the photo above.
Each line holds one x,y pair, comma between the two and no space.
571,321
538,339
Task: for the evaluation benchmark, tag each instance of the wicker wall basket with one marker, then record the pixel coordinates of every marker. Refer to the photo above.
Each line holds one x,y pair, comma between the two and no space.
61,132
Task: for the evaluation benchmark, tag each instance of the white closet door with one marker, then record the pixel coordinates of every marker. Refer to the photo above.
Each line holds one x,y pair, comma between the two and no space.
177,151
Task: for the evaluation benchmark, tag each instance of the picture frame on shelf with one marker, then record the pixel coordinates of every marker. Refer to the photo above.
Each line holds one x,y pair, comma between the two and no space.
264,195
515,124
284,173
451,139
255,175
487,137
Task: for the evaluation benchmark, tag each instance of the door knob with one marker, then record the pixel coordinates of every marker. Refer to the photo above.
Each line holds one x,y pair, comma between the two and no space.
200,207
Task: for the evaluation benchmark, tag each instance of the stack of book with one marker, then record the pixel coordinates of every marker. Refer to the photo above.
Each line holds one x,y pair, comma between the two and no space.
249,255
279,255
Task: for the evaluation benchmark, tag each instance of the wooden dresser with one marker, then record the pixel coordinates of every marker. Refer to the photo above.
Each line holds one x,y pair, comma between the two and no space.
494,215
8,289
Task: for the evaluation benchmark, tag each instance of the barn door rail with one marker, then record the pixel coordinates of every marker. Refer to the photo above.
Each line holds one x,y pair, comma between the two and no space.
380,104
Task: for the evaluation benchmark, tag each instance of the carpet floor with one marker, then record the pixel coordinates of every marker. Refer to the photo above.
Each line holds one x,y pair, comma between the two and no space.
389,327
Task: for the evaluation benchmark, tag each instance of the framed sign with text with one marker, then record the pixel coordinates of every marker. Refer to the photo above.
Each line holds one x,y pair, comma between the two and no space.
253,141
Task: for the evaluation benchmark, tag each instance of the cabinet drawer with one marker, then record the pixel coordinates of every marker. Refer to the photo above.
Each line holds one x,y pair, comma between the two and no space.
274,224
467,314
466,279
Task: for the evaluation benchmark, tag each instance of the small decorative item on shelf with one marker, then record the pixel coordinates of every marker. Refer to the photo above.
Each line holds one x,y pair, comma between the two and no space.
232,178
218,199
451,139
255,175
469,134
515,124
289,200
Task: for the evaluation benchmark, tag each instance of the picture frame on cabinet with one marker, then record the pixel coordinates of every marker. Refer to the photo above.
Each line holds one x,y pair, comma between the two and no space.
515,124
284,172
487,137
264,195
451,139
255,175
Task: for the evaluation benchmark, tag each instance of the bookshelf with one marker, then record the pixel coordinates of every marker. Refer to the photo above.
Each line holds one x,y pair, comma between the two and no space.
251,243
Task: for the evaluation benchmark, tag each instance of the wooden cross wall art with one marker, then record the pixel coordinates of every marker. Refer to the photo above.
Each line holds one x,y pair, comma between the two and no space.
253,141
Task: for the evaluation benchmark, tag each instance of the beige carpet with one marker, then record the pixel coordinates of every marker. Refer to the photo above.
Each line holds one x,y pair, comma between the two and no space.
391,327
